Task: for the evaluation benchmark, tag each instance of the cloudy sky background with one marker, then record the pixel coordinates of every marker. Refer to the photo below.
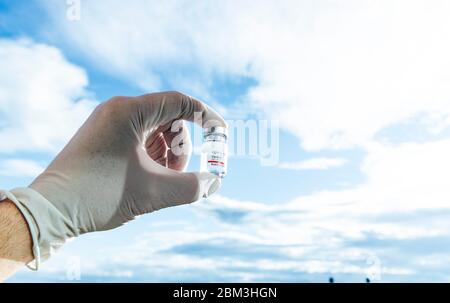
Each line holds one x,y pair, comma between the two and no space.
360,90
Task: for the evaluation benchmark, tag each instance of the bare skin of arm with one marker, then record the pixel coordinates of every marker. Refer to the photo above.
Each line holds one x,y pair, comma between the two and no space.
15,240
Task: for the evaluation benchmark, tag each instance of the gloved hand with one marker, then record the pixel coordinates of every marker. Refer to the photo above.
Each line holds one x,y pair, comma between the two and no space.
116,167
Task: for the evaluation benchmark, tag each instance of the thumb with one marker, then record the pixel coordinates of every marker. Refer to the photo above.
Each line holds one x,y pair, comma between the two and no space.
176,188
208,184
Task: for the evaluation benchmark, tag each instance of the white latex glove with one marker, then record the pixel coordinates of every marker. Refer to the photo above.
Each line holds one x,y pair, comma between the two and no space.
116,167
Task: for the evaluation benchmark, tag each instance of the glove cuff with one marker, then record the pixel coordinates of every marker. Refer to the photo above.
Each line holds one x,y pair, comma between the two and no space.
48,227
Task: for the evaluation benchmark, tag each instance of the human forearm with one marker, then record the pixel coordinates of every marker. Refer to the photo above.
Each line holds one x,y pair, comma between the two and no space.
15,240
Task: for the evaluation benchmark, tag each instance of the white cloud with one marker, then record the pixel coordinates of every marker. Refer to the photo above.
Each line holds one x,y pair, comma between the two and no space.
314,163
396,220
20,167
43,97
334,74
409,176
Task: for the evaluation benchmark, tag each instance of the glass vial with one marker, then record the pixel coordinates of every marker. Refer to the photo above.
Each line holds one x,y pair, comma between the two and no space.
214,151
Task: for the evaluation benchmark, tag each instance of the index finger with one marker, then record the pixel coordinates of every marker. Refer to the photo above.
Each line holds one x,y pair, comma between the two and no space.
165,107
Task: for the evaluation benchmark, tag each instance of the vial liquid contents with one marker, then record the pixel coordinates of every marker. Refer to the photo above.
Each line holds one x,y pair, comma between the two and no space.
214,151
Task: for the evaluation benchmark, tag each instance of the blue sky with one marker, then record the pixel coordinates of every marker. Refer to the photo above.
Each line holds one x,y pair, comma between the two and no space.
359,90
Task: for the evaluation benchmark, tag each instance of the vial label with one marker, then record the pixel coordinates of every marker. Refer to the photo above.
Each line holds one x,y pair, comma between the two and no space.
214,159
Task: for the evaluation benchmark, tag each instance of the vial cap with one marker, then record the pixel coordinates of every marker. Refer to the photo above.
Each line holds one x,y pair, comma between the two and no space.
216,130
